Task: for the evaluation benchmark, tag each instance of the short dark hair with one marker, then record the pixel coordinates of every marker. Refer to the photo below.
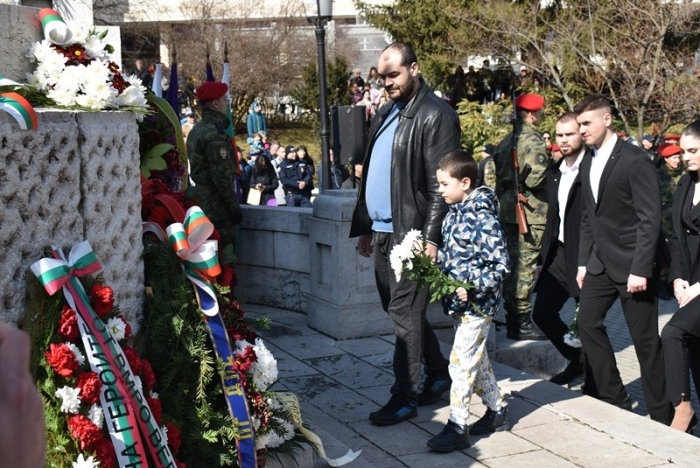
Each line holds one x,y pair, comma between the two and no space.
408,55
567,117
593,102
460,164
692,130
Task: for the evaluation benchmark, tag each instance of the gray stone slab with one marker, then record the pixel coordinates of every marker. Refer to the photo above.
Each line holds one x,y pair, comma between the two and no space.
439,460
404,439
585,446
351,371
288,366
308,346
499,444
363,347
382,361
329,395
538,459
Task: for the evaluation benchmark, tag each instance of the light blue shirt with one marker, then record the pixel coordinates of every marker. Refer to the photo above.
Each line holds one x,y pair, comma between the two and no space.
378,194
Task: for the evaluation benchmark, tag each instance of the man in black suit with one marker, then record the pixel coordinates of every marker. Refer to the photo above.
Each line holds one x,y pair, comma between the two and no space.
620,226
560,245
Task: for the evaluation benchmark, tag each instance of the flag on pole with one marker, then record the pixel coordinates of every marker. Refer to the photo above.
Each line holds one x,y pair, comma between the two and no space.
209,70
172,95
157,86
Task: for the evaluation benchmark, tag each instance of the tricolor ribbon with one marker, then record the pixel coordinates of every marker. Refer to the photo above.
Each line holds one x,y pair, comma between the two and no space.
55,29
132,426
20,109
199,256
200,262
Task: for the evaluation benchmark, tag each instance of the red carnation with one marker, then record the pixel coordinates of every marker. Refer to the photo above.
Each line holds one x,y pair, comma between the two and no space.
102,298
227,277
104,451
89,385
84,431
245,360
68,325
134,360
61,359
173,437
180,464
262,457
148,378
156,409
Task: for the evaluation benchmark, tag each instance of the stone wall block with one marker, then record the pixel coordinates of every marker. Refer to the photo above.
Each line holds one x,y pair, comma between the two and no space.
20,28
111,190
39,199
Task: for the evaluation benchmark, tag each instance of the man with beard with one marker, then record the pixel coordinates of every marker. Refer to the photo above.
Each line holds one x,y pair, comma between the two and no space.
399,192
560,244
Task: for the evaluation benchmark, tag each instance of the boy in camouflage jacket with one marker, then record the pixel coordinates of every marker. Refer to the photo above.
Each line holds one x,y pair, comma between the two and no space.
474,252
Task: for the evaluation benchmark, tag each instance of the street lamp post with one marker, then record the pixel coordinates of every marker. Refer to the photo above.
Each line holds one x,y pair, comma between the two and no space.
324,15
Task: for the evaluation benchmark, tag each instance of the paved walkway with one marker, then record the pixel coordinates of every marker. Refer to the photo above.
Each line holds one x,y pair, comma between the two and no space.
340,382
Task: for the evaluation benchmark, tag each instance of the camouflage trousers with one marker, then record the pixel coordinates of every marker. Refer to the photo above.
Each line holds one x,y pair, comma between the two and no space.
523,251
228,236
470,368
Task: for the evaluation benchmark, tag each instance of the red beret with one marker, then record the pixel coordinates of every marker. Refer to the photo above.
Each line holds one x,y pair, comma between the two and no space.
529,102
211,90
672,137
666,150
554,148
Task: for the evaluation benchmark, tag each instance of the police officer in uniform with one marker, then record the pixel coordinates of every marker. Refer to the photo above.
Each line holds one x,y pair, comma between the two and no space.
523,249
213,164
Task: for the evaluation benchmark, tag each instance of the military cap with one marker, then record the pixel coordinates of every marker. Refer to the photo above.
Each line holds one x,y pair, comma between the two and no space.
210,90
529,102
289,149
672,137
666,150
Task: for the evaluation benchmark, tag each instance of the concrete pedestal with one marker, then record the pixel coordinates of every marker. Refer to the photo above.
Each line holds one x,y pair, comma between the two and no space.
343,301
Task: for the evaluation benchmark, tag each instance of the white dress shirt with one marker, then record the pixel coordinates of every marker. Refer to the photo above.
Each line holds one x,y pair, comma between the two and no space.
598,162
568,174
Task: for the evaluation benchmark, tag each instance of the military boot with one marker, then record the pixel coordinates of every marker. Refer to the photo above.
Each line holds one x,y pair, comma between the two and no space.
522,328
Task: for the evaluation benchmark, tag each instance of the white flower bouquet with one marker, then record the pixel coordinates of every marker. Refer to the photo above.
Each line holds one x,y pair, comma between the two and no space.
409,256
83,75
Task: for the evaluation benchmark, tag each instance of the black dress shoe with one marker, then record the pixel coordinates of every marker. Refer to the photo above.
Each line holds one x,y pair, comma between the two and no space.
625,404
492,421
394,412
433,389
453,437
572,372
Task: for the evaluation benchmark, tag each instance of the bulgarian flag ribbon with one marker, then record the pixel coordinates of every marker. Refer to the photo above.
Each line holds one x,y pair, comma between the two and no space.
19,108
200,262
55,29
199,255
132,427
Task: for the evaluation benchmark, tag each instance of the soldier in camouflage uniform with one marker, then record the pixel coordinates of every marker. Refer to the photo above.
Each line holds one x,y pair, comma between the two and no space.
523,249
487,168
670,169
213,165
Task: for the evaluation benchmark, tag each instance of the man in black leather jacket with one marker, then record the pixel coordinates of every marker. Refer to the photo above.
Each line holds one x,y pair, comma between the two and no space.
399,192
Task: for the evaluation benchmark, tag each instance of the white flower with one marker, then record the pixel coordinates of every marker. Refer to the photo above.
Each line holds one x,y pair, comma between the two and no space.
153,395
70,399
402,255
572,339
96,415
82,462
76,352
117,327
265,370
274,439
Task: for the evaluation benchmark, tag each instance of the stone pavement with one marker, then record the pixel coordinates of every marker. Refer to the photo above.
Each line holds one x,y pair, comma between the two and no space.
340,382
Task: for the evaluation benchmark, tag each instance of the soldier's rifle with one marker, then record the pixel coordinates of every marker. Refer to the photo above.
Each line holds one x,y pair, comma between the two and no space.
520,198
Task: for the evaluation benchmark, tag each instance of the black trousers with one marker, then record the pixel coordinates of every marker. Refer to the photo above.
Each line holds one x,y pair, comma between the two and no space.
681,344
552,293
416,342
602,379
